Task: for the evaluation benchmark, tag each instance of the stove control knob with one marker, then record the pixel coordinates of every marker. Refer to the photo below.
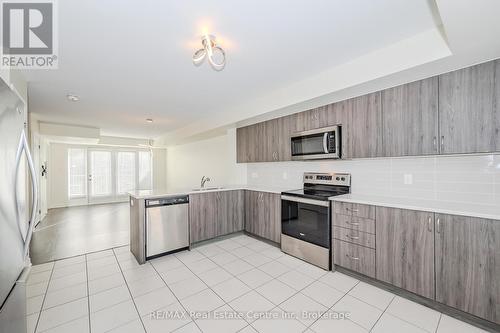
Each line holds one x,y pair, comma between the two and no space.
338,178
343,178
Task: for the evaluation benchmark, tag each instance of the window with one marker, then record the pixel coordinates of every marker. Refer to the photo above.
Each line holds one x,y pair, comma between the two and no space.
125,167
145,179
77,174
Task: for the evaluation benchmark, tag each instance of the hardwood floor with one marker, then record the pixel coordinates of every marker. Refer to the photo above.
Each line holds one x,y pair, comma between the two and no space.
67,232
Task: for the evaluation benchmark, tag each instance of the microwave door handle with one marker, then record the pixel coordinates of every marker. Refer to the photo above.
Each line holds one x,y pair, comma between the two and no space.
325,142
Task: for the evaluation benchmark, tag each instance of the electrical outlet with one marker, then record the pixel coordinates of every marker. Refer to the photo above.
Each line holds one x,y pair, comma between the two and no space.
408,179
285,175
255,175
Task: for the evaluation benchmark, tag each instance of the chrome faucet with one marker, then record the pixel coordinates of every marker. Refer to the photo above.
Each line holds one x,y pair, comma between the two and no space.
203,181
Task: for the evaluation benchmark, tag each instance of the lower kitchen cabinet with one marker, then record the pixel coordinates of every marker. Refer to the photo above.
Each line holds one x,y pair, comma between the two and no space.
354,257
405,249
230,216
263,214
215,214
202,216
468,265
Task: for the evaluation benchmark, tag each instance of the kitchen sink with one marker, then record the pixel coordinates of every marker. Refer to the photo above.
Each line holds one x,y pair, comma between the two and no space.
208,188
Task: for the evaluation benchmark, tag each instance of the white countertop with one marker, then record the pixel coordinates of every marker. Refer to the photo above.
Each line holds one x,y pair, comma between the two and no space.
435,206
160,193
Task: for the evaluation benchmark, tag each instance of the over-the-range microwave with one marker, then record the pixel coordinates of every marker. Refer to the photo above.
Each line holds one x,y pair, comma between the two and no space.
321,143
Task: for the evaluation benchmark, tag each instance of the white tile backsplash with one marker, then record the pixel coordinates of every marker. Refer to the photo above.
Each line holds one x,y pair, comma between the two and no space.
459,178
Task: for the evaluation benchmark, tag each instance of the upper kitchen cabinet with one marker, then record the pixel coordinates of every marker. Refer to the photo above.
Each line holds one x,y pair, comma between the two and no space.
267,141
468,265
364,126
469,115
311,119
410,119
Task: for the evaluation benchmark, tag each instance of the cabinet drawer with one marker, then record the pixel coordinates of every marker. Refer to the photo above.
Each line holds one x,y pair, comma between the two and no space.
354,236
355,257
355,223
354,209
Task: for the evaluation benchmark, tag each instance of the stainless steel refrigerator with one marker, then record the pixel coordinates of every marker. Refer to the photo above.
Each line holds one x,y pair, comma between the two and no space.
17,211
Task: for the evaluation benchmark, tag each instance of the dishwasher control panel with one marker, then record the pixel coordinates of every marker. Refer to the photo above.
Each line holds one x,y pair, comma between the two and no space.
167,201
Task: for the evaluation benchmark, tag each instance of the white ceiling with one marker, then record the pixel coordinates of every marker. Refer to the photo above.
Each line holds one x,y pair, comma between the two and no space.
131,60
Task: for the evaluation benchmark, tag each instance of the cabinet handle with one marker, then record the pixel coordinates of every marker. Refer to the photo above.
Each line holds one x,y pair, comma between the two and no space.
434,142
352,210
438,226
429,224
351,257
352,237
442,141
352,223
301,234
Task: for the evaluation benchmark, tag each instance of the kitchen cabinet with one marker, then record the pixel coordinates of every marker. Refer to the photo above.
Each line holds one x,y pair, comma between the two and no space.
405,249
213,214
312,119
364,126
354,257
202,216
229,215
468,265
410,119
469,109
263,214
267,141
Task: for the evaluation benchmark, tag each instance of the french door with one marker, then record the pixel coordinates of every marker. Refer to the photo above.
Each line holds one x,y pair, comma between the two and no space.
100,176
114,173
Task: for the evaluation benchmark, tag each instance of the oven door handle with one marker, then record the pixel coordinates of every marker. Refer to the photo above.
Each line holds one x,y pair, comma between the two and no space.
325,143
306,201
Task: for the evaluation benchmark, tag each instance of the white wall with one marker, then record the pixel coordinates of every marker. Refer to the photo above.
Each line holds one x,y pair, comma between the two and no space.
464,178
159,168
214,158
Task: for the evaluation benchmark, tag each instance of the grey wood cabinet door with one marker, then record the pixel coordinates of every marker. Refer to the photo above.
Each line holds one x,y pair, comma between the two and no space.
242,145
263,214
251,211
312,119
405,249
271,222
230,215
469,115
364,128
410,119
468,265
247,143
202,216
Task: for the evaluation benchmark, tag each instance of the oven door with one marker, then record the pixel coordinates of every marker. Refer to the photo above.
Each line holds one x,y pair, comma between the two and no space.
306,219
316,144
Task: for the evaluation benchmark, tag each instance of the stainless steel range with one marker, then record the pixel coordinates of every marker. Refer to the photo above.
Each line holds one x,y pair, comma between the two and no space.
305,217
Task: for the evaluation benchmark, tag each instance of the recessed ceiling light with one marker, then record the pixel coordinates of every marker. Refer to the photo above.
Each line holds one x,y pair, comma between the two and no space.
149,120
72,98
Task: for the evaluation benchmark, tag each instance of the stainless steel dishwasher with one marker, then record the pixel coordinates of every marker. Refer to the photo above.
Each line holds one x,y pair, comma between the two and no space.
167,225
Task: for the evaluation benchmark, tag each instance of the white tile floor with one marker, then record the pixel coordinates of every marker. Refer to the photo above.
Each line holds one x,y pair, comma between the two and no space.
238,284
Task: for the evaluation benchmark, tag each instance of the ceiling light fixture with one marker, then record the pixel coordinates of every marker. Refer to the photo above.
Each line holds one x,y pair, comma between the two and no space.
210,50
149,120
72,98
